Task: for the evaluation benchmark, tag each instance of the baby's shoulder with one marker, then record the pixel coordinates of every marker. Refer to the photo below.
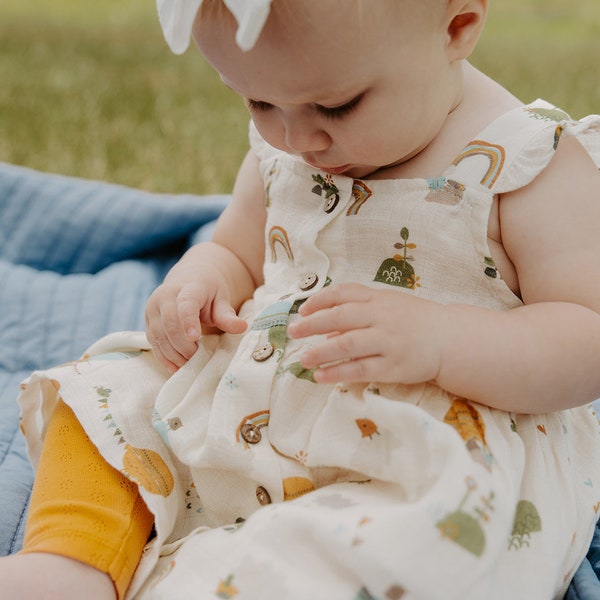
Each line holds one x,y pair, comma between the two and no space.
570,176
549,227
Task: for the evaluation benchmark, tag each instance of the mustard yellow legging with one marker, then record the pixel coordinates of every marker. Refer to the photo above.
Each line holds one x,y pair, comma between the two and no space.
83,508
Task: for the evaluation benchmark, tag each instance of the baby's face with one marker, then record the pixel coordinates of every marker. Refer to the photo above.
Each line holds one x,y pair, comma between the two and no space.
349,91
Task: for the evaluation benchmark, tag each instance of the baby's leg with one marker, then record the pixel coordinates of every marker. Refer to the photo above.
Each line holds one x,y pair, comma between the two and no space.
87,523
51,577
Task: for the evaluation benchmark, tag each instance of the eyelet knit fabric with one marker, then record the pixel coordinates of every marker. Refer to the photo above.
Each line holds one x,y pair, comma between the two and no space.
83,508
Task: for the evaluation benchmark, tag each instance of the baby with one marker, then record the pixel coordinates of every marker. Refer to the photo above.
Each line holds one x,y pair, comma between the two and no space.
374,381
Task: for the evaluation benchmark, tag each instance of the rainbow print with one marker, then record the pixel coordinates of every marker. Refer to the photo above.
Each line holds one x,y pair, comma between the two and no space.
361,193
278,235
495,154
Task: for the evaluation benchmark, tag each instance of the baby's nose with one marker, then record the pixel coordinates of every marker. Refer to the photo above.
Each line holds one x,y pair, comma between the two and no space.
304,135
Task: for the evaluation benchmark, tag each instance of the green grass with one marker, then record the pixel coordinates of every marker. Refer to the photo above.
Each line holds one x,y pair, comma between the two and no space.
99,95
90,88
545,48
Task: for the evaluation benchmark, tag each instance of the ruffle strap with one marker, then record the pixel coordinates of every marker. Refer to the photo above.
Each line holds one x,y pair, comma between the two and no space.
511,151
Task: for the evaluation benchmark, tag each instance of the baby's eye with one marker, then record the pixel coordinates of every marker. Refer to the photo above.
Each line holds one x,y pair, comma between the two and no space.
258,105
338,112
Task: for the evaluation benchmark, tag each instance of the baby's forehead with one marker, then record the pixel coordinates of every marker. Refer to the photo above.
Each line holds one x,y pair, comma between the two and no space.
306,53
302,60
340,16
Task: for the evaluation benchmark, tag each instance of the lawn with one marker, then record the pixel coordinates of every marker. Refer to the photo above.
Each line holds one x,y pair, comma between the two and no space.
90,88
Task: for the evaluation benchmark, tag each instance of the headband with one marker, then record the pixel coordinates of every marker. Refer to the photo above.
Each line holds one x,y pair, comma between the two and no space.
177,18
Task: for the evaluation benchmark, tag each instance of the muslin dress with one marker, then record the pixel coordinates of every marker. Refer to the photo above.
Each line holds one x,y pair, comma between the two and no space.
268,485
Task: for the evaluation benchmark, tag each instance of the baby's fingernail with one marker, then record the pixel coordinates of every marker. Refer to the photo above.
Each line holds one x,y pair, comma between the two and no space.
192,334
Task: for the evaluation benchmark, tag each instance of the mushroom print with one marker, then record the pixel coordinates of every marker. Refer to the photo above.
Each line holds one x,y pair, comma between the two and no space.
465,529
398,270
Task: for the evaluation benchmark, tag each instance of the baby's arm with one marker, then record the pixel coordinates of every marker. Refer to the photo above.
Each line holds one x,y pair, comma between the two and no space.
541,357
211,281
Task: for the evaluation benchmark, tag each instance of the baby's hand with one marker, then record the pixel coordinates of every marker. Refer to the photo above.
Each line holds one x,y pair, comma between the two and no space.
179,308
372,335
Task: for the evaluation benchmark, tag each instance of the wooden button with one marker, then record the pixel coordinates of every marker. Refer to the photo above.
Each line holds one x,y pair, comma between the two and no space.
331,203
308,281
263,352
262,496
251,433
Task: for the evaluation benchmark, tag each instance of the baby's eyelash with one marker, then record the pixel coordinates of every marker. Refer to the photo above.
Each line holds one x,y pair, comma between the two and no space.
258,105
337,112
333,112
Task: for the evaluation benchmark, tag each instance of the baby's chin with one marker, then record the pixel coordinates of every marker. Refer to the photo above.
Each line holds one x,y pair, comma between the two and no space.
354,171
366,171
362,172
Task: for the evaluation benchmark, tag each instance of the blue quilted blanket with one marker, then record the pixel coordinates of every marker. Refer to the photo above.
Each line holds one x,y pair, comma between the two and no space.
78,259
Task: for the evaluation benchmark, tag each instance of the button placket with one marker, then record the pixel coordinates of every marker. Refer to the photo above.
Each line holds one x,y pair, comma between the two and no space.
313,270
272,325
326,186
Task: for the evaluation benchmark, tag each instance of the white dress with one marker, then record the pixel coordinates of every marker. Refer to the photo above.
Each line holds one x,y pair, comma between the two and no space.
398,491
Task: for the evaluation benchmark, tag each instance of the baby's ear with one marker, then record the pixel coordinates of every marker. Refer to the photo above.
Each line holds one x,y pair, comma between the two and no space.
465,20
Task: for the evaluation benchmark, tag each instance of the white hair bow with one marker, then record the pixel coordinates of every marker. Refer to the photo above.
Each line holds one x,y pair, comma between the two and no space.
177,18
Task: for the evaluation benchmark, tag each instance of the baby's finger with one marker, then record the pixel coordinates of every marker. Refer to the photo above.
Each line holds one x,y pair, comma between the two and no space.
165,353
331,321
190,301
226,319
335,295
361,370
166,333
352,345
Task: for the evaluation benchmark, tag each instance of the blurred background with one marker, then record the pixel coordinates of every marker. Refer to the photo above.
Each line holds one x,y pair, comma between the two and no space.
90,88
